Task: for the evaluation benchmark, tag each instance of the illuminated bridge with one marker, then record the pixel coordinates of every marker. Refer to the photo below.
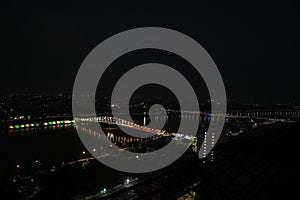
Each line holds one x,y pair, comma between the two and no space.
203,116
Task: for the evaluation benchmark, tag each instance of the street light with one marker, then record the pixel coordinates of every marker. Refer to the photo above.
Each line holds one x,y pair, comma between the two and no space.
103,191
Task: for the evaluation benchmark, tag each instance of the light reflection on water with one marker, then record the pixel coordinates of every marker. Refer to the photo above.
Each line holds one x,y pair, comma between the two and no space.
113,133
40,129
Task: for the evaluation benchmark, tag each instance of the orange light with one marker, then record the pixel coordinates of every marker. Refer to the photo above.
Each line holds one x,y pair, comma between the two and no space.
27,125
54,122
11,127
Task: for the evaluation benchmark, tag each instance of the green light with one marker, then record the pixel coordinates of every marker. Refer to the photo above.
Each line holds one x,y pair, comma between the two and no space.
37,124
17,126
61,122
50,123
103,191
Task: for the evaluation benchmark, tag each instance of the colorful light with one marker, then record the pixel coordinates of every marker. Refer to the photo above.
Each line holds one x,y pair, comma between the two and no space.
11,127
17,126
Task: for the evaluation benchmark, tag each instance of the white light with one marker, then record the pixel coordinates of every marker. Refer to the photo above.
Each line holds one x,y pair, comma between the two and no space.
94,150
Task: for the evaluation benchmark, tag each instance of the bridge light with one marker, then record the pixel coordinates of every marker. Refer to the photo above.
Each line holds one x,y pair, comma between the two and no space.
11,127
17,126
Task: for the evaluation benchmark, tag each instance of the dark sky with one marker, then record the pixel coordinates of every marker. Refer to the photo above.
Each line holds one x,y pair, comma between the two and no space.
254,44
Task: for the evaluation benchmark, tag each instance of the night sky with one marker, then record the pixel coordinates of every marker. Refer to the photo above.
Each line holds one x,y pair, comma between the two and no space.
254,44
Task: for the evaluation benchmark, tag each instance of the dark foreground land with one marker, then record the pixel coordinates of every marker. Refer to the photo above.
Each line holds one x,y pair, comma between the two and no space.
259,164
